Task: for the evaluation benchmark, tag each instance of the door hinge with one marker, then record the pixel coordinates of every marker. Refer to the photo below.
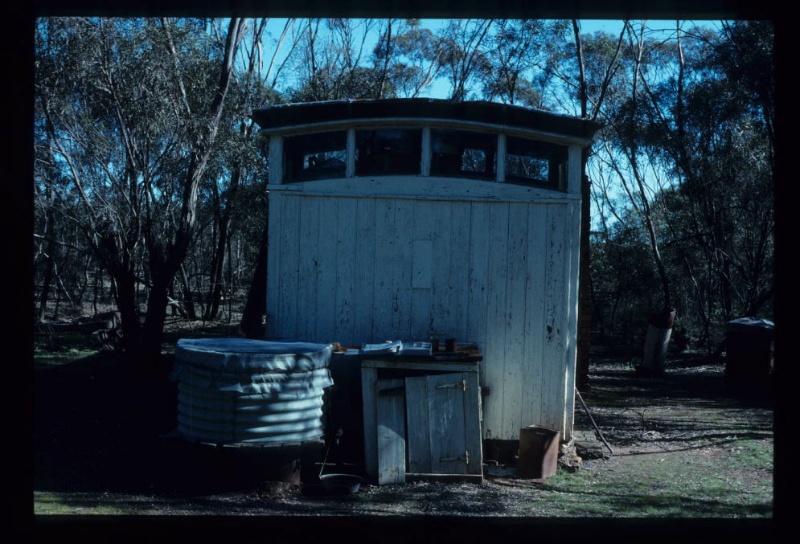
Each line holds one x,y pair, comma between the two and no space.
458,385
464,458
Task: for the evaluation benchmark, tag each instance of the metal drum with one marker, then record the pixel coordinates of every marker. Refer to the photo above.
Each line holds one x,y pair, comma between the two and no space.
237,390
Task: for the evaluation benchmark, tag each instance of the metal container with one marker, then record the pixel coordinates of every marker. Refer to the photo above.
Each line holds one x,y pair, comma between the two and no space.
237,390
538,452
340,484
749,358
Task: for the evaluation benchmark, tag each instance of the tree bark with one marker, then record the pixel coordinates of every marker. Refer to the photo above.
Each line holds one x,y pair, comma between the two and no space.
215,291
252,323
148,352
125,292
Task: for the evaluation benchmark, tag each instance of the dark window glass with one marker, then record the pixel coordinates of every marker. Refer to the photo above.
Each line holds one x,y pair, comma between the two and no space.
535,163
315,156
389,151
463,154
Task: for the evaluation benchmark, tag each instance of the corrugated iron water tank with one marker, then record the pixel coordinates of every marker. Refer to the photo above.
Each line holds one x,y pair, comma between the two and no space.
238,390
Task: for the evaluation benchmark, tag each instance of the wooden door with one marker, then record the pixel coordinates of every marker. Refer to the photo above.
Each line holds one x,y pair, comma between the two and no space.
443,422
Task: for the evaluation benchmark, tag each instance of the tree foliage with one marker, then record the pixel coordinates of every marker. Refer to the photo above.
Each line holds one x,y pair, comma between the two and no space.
150,176
132,109
709,136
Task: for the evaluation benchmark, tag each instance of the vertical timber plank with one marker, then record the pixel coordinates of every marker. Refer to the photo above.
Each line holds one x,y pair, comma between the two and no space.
445,404
391,420
419,451
472,423
369,380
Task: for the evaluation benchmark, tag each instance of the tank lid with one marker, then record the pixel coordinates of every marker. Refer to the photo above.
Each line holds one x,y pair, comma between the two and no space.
751,323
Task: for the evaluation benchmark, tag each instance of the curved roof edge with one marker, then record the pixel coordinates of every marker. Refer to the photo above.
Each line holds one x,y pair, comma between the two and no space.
284,116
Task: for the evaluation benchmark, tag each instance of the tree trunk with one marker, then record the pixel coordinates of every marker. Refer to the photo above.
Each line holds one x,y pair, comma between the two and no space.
584,286
252,323
217,267
128,310
47,281
186,298
149,349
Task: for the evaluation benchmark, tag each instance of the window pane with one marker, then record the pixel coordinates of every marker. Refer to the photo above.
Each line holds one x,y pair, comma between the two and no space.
315,156
463,154
534,162
390,151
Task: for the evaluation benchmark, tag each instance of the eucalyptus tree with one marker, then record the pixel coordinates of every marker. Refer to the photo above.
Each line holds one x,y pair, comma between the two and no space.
641,178
332,61
520,59
623,280
688,146
579,76
132,108
50,189
713,127
607,81
237,162
413,58
465,54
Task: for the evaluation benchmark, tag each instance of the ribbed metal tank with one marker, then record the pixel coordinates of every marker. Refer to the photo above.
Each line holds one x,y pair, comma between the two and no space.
238,390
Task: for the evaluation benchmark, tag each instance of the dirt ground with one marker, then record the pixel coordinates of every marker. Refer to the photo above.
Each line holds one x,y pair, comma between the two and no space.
99,448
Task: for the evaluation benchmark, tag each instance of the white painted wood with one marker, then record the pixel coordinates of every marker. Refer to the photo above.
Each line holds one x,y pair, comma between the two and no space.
391,431
438,421
459,250
422,263
425,188
496,331
381,450
478,270
501,271
401,267
384,261
365,272
441,322
327,268
283,286
419,425
363,260
555,324
574,255
309,270
369,381
514,313
472,423
421,297
533,325
345,271
422,366
446,439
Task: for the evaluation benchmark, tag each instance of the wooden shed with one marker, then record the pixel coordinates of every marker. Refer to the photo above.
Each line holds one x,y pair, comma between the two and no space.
402,219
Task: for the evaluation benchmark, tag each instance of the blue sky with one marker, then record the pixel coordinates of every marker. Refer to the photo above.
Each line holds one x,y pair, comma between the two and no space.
440,89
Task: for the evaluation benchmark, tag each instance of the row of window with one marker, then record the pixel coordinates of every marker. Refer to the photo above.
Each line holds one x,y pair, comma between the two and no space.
455,153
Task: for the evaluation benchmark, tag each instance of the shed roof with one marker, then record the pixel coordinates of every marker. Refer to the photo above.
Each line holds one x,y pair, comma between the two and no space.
285,116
